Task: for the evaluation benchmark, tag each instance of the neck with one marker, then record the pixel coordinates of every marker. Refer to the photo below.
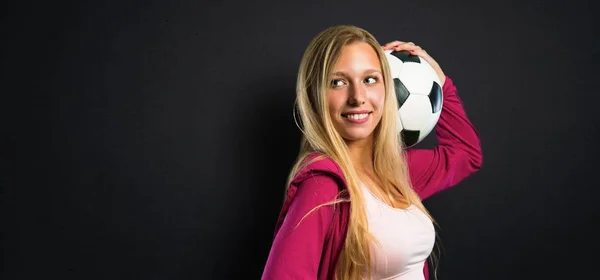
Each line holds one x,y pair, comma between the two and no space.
361,154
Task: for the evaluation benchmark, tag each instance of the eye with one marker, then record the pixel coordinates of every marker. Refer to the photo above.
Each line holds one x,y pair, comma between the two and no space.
336,83
373,79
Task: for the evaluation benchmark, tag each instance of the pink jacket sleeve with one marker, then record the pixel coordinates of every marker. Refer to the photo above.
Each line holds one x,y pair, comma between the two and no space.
296,252
457,155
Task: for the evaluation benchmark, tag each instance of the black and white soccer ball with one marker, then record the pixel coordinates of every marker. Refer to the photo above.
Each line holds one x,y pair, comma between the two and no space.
419,93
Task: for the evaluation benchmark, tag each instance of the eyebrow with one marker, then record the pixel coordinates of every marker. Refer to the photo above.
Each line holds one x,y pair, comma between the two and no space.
368,71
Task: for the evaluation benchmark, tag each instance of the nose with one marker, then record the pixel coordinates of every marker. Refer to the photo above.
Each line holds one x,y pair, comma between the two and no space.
356,94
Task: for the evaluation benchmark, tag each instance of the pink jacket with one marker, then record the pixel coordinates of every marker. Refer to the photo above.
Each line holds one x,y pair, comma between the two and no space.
311,250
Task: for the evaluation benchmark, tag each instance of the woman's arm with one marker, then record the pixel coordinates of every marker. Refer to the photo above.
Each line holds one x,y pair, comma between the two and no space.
457,155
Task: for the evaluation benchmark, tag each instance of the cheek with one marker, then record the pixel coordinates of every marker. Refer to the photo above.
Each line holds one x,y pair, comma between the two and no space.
378,98
334,103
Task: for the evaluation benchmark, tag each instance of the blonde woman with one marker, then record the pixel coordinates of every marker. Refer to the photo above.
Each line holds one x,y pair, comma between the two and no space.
353,207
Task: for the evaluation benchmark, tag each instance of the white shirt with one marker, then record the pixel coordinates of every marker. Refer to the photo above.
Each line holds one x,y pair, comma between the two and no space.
406,238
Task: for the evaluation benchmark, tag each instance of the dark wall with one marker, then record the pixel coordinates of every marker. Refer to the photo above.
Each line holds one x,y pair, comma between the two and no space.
152,140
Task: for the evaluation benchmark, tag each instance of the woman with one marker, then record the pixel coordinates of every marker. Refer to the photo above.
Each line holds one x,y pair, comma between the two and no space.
353,204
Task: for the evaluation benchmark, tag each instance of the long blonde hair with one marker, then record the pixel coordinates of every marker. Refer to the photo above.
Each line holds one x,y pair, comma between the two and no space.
319,135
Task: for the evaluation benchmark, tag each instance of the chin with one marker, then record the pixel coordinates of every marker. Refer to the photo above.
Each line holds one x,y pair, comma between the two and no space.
356,136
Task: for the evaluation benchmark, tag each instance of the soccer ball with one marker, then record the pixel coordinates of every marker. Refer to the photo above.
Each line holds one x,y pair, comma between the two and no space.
419,93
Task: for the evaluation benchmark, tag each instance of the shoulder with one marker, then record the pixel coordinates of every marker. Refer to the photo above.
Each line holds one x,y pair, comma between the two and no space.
318,181
319,175
320,166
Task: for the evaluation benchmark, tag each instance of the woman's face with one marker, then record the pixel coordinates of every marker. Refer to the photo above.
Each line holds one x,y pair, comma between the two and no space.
356,92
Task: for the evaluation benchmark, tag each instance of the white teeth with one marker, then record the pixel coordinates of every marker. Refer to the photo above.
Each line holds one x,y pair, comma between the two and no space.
357,116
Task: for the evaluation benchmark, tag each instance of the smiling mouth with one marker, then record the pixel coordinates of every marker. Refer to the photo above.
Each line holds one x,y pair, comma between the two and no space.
356,116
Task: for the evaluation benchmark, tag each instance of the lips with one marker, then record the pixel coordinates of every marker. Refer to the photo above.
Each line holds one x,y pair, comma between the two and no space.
357,116
356,112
